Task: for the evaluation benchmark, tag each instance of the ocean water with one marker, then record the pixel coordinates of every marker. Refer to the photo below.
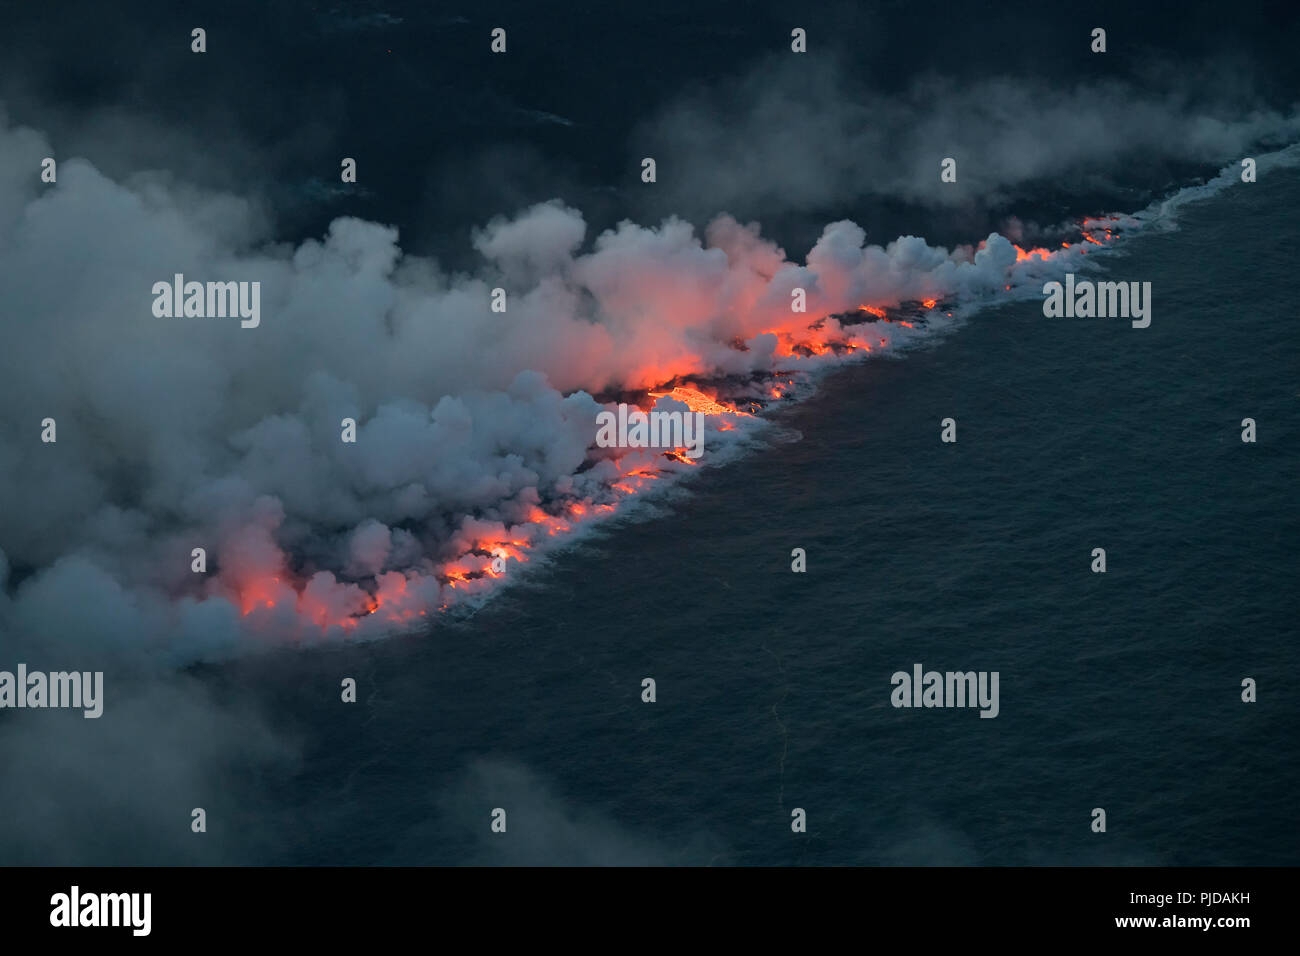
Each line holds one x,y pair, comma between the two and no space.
1118,690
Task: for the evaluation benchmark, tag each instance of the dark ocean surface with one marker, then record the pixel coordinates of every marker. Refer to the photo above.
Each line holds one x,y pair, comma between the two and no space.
1119,690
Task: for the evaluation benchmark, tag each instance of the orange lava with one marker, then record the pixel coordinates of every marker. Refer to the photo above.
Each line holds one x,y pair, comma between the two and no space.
487,544
1023,254
697,401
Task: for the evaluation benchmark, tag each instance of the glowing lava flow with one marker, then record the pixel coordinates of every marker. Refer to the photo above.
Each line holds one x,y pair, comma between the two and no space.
1105,225
697,401
480,551
485,553
1094,230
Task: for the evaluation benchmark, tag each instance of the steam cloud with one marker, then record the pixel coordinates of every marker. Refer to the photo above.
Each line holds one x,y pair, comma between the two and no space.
797,135
474,428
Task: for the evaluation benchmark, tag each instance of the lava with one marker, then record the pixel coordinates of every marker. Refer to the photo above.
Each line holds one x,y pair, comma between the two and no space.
1024,254
697,401
483,547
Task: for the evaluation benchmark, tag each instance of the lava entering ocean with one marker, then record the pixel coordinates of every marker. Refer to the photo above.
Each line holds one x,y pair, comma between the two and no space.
483,549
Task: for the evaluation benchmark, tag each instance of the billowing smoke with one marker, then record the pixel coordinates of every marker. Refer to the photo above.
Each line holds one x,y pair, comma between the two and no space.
474,439
796,134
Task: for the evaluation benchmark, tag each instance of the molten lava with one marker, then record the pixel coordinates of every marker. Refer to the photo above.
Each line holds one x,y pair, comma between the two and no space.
1023,254
482,548
697,401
